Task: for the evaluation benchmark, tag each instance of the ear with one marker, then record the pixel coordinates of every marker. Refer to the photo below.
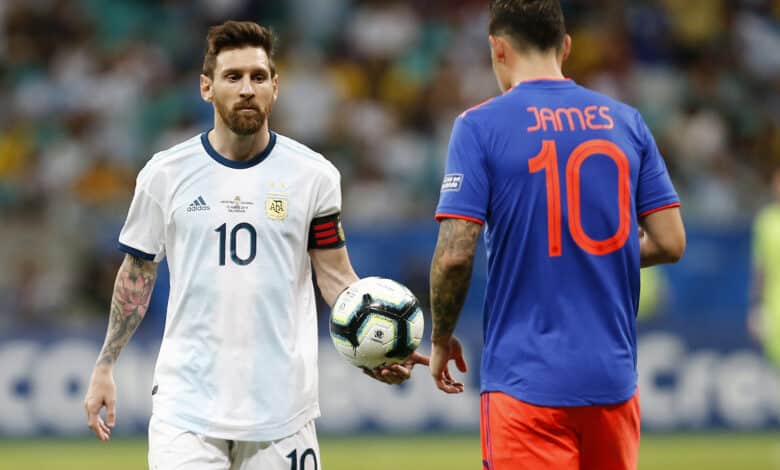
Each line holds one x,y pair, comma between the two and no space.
275,82
498,48
566,50
206,88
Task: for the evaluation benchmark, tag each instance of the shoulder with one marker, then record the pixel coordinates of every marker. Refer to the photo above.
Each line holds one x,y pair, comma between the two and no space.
171,156
305,157
166,162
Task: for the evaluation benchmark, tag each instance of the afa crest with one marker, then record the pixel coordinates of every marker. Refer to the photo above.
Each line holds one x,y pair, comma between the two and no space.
276,208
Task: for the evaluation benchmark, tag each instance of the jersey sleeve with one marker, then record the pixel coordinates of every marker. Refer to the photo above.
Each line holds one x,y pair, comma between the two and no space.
465,190
325,231
329,194
655,191
143,234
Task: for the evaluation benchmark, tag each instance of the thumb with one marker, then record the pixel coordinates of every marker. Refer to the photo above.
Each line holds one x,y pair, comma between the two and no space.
418,358
460,362
111,413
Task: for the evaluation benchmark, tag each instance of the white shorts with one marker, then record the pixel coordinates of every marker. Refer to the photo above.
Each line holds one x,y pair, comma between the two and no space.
173,448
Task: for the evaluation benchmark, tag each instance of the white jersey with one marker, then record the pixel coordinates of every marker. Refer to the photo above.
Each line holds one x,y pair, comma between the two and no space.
238,359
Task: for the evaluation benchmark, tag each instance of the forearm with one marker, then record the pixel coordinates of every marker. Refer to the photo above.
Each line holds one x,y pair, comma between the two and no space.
451,274
331,285
449,285
129,303
661,238
650,253
334,272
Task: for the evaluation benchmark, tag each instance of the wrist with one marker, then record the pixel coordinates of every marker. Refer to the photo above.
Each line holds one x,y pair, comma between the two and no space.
103,367
441,340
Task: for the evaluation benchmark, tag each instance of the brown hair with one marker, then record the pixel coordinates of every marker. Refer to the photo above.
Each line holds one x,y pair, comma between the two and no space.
528,23
235,35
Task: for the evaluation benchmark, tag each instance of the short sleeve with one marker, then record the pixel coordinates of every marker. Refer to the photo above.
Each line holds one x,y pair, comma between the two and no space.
329,194
655,191
143,234
465,190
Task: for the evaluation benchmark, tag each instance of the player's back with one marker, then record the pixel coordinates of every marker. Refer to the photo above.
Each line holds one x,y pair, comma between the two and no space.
560,175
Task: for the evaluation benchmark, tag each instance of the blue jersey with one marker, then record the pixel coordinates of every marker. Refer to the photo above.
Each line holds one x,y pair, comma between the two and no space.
559,175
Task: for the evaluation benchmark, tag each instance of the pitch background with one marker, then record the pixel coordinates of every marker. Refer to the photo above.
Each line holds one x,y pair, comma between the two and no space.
430,452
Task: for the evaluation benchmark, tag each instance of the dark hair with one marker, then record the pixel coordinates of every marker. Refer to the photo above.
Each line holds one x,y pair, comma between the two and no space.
235,35
528,23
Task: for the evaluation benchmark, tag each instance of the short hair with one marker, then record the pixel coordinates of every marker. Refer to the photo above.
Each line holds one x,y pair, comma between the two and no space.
236,35
534,24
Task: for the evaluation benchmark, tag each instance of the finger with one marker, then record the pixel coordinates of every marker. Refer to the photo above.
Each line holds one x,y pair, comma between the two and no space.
99,429
401,371
111,413
105,430
376,375
448,387
417,358
93,417
391,376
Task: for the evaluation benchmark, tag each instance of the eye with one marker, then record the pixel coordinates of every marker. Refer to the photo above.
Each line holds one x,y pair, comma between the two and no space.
259,78
232,77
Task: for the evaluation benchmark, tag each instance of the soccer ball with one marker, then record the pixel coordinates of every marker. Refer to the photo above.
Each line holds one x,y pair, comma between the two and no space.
376,322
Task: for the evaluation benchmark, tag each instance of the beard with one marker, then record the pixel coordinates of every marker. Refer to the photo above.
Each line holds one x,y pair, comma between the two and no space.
242,122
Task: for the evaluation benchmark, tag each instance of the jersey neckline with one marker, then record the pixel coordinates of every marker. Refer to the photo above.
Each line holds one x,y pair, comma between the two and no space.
204,139
546,83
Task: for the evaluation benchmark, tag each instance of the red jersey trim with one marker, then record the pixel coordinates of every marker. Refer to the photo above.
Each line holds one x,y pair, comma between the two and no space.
659,209
440,216
463,114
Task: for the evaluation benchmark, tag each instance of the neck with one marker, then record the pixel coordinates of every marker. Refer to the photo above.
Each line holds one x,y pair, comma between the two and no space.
534,66
238,147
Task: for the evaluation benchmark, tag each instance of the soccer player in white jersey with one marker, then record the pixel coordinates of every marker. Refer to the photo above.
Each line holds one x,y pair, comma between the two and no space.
242,214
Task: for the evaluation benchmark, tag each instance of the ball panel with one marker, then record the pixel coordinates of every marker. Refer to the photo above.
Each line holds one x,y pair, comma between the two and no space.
376,322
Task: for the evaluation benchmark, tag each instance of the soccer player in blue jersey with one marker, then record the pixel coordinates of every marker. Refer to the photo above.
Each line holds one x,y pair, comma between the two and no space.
574,198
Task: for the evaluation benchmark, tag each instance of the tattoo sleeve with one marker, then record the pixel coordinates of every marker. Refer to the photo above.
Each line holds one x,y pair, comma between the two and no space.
132,291
451,273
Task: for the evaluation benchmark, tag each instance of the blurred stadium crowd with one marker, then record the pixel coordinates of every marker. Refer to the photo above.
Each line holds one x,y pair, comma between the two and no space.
90,89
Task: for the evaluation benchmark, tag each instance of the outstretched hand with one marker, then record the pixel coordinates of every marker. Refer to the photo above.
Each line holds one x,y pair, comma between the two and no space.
441,353
397,373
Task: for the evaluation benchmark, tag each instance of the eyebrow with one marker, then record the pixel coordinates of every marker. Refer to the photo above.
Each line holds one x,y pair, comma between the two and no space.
241,71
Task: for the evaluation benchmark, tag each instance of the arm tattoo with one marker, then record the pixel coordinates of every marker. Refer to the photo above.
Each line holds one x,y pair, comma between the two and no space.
451,273
132,291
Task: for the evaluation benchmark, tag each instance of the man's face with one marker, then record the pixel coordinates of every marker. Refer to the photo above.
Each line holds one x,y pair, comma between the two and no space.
242,90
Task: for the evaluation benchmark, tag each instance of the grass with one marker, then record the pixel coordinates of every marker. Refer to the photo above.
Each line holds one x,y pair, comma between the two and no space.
429,452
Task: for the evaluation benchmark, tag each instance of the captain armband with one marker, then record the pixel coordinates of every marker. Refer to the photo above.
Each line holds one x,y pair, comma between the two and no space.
326,232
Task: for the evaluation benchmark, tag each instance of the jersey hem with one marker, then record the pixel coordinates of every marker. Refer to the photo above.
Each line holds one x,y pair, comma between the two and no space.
659,209
542,399
444,215
251,433
135,252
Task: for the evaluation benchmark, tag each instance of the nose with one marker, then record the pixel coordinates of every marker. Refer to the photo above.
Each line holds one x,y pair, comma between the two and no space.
246,88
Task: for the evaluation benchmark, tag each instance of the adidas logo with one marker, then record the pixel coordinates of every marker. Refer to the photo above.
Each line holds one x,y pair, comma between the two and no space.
198,205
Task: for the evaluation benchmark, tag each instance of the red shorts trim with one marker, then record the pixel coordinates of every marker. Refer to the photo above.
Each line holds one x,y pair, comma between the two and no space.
518,435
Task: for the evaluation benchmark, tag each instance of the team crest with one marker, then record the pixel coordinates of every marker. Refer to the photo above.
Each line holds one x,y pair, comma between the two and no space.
276,208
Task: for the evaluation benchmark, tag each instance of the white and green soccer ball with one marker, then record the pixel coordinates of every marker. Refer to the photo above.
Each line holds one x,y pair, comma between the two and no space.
376,322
